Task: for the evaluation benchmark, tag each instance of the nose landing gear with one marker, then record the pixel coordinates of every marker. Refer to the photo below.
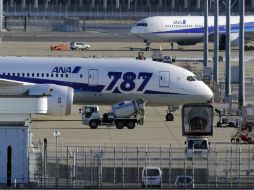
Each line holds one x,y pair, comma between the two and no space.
169,115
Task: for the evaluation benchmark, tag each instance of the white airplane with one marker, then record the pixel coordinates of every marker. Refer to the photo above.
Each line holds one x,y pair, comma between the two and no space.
189,30
100,81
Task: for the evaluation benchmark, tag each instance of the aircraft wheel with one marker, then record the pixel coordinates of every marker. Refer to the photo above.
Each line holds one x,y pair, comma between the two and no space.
148,48
93,124
119,125
169,117
130,125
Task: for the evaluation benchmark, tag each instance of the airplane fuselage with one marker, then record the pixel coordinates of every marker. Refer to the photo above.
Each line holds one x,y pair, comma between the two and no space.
186,29
107,81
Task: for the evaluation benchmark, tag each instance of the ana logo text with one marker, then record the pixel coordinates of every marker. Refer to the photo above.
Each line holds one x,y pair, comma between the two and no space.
179,22
66,69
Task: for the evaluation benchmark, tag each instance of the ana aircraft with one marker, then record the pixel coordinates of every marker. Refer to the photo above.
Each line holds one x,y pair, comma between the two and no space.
189,30
100,81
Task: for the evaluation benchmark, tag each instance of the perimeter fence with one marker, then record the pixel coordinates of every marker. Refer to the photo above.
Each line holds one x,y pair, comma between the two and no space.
65,166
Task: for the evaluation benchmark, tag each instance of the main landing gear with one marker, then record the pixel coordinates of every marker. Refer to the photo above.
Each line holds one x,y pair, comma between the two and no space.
148,47
169,115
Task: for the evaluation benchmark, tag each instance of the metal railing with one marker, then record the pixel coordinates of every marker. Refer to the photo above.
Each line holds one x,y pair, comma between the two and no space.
121,167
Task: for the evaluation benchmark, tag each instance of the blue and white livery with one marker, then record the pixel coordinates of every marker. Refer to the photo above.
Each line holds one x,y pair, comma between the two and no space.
101,81
189,30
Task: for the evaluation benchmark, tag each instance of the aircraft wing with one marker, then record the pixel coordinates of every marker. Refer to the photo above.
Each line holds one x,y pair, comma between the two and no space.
248,35
6,82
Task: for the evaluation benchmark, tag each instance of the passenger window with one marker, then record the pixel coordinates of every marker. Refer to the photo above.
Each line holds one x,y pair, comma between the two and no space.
56,75
23,74
61,75
81,75
18,74
42,75
3,73
66,75
13,74
27,74
38,75
190,78
32,74
47,75
52,75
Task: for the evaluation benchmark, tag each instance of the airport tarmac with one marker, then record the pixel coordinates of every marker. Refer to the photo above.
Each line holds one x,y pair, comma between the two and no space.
155,132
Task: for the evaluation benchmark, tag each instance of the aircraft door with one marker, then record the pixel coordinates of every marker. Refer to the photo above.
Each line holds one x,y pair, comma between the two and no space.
159,27
164,80
92,77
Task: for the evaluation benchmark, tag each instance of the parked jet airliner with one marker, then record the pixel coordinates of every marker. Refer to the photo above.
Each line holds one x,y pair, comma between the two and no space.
100,81
189,30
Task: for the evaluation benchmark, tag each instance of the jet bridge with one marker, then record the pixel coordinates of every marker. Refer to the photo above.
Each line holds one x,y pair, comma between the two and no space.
15,117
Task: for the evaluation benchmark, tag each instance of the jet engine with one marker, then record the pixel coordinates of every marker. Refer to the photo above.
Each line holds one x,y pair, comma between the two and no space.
234,40
60,101
60,98
188,43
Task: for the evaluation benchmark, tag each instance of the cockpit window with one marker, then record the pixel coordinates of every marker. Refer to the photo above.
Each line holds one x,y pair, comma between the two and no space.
141,24
191,78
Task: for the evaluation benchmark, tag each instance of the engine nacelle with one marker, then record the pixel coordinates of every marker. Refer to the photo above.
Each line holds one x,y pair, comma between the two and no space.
60,101
187,43
234,37
60,98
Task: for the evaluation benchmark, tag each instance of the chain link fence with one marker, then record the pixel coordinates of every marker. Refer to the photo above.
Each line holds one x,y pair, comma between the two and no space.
121,167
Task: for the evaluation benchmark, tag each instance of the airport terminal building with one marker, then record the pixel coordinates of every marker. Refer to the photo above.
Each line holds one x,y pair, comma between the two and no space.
114,8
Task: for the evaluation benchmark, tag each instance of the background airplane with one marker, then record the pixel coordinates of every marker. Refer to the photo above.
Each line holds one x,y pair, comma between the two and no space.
189,30
100,81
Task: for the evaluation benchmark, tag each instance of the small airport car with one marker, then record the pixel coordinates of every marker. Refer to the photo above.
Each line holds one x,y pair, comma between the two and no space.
167,59
151,176
183,181
79,46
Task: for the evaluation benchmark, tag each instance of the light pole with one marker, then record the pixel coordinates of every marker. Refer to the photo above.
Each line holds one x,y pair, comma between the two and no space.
56,134
1,15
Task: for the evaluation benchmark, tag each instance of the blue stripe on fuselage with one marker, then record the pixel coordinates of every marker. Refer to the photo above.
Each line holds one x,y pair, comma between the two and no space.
78,87
234,28
74,85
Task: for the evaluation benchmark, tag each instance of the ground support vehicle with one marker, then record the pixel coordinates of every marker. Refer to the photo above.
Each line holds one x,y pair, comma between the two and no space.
141,56
184,181
59,47
197,126
151,176
157,56
226,121
197,147
79,46
126,113
249,47
245,133
167,59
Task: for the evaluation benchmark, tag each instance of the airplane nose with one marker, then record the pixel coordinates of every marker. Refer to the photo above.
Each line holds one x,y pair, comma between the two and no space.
207,93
